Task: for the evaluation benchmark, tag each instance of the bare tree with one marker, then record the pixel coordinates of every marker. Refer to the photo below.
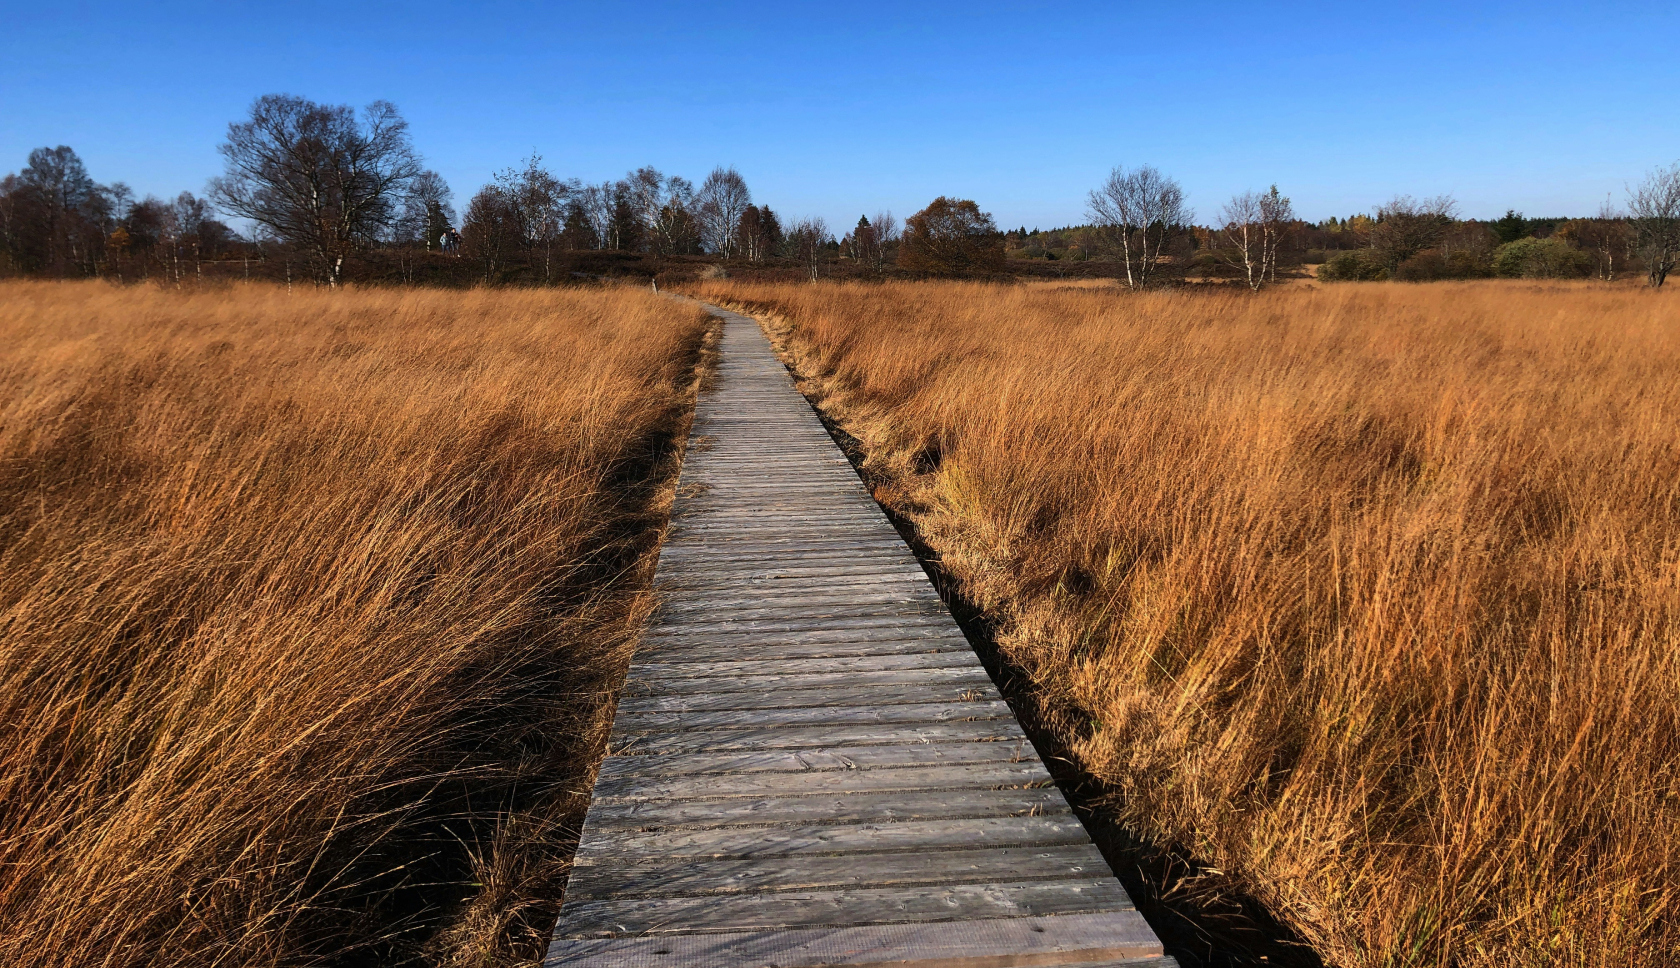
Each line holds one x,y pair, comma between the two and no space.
596,204
316,176
1137,213
1654,208
1406,226
538,202
191,223
490,230
886,234
1242,234
808,237
666,207
722,200
1606,235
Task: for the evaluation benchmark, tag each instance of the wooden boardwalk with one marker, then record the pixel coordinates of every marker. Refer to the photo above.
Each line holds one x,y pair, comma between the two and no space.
809,765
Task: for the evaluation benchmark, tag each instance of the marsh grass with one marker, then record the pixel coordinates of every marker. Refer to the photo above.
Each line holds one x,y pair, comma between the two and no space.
310,607
1368,596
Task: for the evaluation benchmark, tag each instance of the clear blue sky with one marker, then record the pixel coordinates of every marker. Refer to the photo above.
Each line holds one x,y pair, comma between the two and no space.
845,108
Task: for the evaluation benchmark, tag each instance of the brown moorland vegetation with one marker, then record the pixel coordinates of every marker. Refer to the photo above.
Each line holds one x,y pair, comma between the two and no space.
309,608
1367,595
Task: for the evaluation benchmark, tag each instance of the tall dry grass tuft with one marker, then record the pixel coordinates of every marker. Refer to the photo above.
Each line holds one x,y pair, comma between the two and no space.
1370,596
309,605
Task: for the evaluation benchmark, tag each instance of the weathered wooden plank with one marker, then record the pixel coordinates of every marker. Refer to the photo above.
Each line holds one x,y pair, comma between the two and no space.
812,698
967,777
614,845
821,502
701,560
633,917
918,627
834,576
755,667
971,675
742,528
765,604
659,877
793,579
697,553
888,621
825,599
793,615
812,737
716,514
649,765
630,723
898,805
988,943
689,537
756,647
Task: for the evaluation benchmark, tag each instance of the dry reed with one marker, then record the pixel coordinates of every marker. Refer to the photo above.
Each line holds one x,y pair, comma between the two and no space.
1367,595
309,607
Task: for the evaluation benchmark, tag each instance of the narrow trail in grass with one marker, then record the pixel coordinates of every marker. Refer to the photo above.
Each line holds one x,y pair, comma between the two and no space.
809,765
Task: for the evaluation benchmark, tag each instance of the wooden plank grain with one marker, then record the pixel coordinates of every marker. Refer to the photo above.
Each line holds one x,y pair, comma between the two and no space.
1028,774
637,723
648,765
822,697
757,667
830,808
953,675
634,917
614,846
661,877
1076,939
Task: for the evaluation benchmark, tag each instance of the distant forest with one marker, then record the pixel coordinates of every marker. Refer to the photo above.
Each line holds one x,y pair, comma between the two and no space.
326,194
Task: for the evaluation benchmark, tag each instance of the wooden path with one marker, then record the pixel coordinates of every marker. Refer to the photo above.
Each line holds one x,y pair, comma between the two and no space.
809,765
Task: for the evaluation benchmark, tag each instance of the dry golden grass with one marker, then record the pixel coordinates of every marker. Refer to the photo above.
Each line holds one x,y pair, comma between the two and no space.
1368,595
309,605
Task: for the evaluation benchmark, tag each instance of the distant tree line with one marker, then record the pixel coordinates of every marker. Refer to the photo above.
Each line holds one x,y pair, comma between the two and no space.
55,220
322,185
1420,240
1138,222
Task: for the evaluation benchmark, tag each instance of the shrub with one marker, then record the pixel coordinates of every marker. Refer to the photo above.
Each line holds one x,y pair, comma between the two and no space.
1355,266
1541,259
951,237
1431,265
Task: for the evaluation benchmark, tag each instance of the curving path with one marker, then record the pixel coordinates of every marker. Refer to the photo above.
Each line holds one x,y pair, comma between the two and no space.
809,765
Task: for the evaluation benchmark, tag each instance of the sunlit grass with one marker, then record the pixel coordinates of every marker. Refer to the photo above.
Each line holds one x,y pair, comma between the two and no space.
1368,595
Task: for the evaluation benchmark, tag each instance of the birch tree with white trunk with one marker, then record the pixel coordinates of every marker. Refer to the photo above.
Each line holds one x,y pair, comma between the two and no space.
722,200
317,176
1137,213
